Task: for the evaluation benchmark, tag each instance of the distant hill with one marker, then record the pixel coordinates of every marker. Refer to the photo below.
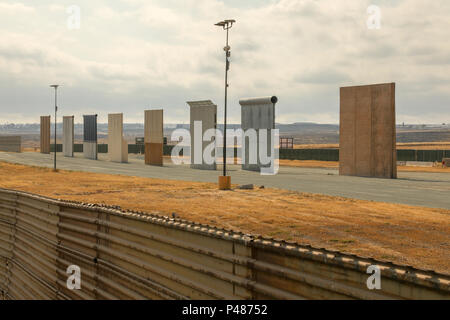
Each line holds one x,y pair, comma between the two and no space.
302,132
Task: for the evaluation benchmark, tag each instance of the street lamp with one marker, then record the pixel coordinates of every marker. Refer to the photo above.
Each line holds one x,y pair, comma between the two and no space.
56,109
224,181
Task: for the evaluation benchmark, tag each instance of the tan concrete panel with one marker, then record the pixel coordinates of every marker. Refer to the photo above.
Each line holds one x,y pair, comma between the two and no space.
367,131
153,126
116,145
45,134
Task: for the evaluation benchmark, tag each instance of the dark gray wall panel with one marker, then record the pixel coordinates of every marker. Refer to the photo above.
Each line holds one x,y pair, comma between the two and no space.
90,128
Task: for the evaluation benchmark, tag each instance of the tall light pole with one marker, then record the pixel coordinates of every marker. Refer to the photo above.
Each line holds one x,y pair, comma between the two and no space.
225,182
56,110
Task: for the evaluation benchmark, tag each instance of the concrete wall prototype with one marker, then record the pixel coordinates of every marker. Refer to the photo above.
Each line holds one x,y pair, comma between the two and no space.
117,146
257,113
68,136
11,143
135,255
154,137
206,113
90,137
368,131
45,134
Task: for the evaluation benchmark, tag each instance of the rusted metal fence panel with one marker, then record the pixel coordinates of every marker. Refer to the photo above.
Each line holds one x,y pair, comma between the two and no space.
134,255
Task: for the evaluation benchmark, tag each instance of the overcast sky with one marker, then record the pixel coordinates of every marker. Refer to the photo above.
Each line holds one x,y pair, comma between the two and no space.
132,55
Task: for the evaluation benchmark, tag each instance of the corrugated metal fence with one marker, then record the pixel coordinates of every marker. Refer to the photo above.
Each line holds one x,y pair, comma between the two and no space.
133,255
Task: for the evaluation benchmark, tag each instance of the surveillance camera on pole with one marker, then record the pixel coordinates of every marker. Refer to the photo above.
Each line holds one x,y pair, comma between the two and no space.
225,181
55,86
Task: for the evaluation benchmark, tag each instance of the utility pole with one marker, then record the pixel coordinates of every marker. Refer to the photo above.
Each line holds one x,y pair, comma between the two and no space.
56,110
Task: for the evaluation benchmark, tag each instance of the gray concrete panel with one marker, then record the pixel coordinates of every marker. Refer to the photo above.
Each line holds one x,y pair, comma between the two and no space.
68,136
90,150
205,112
257,114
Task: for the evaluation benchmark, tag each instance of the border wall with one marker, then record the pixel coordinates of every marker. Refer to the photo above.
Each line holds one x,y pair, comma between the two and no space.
134,255
11,144
294,154
68,136
45,134
154,137
367,131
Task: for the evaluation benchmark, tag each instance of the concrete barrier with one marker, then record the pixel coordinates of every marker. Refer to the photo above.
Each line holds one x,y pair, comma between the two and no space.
205,114
135,255
68,136
117,146
11,143
367,131
45,134
90,150
154,137
257,114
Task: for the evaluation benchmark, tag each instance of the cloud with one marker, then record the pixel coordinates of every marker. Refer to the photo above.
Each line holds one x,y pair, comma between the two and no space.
14,8
130,54
323,77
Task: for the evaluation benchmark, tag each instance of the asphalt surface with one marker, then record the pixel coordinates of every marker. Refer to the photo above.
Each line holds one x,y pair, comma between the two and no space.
413,188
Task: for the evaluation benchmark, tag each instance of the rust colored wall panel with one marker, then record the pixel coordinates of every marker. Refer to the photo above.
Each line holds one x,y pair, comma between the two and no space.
45,134
153,126
154,154
154,137
367,131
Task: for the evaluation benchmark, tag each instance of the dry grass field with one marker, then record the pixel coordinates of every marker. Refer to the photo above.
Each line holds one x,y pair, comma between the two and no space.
400,233
400,146
335,165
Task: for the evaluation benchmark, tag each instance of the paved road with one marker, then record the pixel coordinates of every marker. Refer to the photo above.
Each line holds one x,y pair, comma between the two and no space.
414,188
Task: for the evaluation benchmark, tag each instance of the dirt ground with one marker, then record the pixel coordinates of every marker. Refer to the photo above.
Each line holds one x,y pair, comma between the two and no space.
400,233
